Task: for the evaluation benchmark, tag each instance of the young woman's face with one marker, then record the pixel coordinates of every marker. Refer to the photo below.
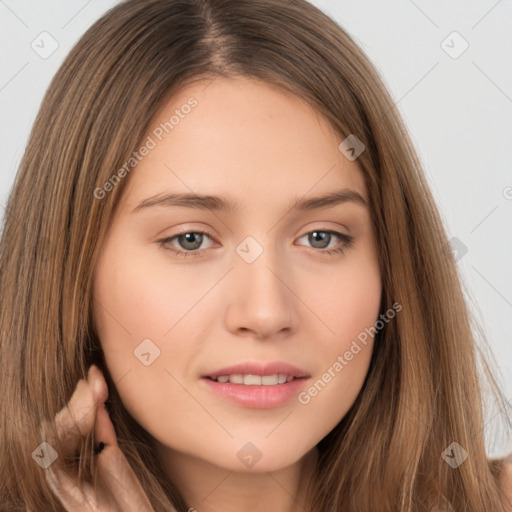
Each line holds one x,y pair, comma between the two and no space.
271,286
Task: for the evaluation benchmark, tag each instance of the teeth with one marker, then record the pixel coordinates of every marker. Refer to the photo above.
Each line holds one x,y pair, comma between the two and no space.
255,380
252,380
236,379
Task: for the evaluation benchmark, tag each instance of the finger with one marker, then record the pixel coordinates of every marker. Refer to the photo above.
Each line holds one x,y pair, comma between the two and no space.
78,417
73,497
84,412
117,474
97,381
103,428
113,468
72,423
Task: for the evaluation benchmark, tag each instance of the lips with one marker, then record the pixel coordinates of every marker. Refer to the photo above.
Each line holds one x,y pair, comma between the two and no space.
259,369
256,385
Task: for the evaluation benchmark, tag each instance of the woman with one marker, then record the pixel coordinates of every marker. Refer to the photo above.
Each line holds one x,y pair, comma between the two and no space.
259,371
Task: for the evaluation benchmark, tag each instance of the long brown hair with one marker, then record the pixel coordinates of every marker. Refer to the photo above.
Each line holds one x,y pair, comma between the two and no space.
424,389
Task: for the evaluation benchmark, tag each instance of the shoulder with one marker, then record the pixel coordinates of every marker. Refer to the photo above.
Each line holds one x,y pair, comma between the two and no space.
506,482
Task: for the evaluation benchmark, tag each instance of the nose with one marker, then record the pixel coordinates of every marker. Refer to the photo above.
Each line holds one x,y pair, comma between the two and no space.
261,300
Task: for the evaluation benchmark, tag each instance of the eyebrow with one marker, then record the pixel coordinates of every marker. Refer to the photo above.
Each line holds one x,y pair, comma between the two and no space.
217,203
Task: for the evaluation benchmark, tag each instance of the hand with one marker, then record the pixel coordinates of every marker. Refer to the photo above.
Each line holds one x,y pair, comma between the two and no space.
86,410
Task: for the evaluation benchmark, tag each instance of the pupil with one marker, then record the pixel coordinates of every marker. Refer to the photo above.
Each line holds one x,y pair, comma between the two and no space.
189,239
321,236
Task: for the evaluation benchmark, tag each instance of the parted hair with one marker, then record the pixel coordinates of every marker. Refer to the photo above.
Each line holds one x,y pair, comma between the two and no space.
429,376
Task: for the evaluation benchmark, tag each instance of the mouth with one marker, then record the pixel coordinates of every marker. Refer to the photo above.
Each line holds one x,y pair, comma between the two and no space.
255,380
257,385
253,373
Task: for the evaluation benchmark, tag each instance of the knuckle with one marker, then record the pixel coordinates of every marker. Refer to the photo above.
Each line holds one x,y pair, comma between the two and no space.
73,416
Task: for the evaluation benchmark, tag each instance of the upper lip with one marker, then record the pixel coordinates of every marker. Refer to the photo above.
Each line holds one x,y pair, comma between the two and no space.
255,368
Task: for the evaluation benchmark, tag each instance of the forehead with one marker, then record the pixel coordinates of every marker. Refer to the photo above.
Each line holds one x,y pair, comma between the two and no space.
242,138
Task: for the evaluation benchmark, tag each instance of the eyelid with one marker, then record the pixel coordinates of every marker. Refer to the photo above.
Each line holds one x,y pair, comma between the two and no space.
198,231
202,230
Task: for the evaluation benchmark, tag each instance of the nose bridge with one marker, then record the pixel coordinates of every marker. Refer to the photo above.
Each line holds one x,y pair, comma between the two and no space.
261,302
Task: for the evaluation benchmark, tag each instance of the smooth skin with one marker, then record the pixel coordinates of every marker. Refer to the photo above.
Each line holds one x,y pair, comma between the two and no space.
251,143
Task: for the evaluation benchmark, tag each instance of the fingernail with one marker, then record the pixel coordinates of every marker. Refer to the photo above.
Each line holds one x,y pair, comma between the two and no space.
94,380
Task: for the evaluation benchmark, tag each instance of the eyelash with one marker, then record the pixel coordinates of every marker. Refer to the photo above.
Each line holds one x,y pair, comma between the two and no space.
346,243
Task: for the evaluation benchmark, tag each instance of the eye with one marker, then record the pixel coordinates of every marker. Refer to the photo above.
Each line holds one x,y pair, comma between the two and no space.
190,242
321,239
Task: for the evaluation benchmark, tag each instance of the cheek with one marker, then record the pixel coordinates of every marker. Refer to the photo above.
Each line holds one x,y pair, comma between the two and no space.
345,302
140,297
143,305
334,389
130,306
350,310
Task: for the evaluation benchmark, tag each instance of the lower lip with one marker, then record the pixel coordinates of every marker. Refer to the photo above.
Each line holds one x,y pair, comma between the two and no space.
257,397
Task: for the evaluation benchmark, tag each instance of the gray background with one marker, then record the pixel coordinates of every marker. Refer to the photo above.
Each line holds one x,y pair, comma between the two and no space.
457,105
